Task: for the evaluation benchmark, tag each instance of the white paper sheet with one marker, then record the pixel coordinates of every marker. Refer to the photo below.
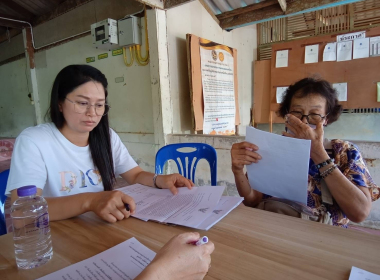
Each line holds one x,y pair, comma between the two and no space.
311,54
350,36
341,88
374,46
329,53
123,261
361,48
344,51
187,208
360,274
226,205
282,58
280,91
283,169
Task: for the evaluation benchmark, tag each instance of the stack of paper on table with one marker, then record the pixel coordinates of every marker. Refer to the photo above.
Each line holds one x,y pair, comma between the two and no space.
123,261
200,207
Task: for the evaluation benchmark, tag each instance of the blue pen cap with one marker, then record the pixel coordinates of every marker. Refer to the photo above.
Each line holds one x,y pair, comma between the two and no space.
26,191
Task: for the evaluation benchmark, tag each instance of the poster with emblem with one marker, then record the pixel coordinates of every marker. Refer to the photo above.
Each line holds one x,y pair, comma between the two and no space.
217,70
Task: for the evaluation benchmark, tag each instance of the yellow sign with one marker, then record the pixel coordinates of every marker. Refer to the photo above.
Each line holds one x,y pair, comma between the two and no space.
90,59
102,56
117,52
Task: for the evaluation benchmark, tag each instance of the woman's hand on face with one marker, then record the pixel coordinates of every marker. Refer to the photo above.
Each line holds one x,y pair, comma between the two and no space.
303,131
173,181
179,259
243,153
110,205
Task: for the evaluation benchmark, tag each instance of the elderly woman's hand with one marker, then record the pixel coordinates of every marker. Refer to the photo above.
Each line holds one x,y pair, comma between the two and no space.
302,130
243,153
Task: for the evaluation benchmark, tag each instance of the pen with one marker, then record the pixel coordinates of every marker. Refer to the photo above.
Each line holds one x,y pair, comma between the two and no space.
126,206
201,241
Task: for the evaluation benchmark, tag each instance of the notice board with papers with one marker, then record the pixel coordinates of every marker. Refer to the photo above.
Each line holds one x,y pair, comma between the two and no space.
218,57
361,75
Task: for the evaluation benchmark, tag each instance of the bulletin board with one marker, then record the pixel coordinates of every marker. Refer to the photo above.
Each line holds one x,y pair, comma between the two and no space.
195,81
361,75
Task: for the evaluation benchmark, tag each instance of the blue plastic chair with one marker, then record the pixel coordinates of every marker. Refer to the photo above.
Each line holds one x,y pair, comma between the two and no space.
174,152
3,184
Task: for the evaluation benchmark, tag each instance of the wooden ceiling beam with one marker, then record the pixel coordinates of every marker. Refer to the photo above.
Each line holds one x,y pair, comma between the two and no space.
274,11
12,24
61,9
168,4
247,9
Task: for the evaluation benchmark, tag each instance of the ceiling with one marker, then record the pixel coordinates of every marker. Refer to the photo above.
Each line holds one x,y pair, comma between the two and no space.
32,11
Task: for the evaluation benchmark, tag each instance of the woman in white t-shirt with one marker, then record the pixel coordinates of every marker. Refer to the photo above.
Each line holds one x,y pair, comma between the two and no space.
74,160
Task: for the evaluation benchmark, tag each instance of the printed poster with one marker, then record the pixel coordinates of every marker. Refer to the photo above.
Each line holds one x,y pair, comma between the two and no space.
217,69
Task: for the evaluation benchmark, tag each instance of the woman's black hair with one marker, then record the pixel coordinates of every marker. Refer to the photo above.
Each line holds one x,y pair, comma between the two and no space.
67,80
311,86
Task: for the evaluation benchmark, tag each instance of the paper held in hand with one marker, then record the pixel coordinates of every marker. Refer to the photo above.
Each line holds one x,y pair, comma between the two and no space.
283,170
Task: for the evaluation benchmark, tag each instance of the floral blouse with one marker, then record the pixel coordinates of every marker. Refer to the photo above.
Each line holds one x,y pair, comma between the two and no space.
351,163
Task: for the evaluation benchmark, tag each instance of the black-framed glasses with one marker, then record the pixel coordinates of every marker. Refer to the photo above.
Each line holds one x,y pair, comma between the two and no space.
81,107
311,118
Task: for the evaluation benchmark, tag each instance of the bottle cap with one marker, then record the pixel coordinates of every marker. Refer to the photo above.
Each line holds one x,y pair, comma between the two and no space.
27,190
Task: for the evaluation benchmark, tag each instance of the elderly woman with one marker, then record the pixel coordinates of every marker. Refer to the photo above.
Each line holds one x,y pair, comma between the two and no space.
307,107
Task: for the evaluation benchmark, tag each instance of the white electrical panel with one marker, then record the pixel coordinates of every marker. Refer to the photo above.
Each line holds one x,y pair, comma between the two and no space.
104,34
129,31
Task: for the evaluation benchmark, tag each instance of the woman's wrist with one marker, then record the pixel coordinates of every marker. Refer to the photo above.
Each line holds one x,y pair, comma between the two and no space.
152,272
319,155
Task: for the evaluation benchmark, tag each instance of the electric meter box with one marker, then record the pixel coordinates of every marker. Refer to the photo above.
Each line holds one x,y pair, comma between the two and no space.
104,34
129,31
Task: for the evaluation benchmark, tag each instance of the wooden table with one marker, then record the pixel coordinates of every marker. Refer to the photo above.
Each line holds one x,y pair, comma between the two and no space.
250,244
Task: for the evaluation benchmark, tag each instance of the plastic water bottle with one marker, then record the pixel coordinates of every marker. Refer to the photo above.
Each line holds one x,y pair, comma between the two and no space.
31,230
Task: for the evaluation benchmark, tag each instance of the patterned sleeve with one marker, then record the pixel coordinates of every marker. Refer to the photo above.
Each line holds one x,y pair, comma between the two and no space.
353,166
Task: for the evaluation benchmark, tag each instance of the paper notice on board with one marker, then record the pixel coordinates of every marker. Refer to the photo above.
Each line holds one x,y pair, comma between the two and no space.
329,53
311,54
280,92
350,36
217,68
344,51
374,46
361,48
282,58
341,89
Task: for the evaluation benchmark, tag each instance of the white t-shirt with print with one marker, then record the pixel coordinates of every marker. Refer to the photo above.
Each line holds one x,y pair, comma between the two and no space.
43,157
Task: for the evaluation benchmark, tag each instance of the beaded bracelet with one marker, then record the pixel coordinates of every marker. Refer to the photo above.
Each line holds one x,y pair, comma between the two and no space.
328,171
322,164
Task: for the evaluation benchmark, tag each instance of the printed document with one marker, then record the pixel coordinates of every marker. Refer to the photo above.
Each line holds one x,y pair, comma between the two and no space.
374,48
188,207
341,89
361,48
311,54
225,206
122,262
280,92
360,274
329,53
344,51
282,58
283,170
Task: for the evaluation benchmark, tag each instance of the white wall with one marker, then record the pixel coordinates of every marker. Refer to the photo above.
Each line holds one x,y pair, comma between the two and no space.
194,19
16,111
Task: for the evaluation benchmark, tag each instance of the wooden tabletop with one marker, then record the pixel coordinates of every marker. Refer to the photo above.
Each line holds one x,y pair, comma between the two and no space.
249,244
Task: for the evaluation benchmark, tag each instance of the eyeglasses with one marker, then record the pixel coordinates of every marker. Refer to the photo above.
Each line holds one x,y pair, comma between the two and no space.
81,107
311,118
